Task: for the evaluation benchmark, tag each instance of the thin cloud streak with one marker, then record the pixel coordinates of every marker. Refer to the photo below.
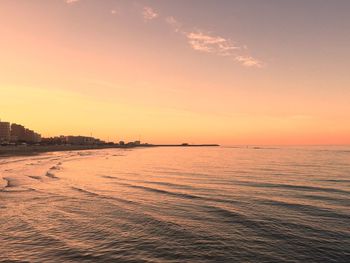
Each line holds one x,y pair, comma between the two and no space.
221,46
71,1
214,44
211,44
249,61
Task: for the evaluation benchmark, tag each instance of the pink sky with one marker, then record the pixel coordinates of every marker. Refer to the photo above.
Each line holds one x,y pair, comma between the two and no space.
178,71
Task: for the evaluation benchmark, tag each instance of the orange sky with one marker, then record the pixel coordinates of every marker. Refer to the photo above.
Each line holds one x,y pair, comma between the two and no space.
171,72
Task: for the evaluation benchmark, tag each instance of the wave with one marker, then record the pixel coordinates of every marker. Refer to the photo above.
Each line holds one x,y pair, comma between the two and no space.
12,186
337,200
110,177
10,182
181,195
84,191
35,177
180,186
304,208
101,196
335,180
159,191
51,175
294,187
55,167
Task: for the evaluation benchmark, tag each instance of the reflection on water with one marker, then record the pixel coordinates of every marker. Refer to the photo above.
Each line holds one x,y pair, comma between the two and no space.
177,204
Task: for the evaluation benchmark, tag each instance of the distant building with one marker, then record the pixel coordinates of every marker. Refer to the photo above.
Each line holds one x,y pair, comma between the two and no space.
29,136
55,140
37,137
83,140
79,140
134,143
62,139
73,140
5,132
18,133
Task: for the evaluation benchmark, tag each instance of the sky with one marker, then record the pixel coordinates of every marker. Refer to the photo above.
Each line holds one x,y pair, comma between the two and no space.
197,71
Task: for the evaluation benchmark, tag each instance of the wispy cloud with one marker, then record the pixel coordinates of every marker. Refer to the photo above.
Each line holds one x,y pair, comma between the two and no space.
71,1
204,42
211,44
201,40
249,61
148,13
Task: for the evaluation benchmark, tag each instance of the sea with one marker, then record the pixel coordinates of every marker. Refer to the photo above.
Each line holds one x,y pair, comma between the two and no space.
177,204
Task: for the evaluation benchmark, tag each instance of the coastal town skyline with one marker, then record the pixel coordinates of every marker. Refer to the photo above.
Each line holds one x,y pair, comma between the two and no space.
170,72
14,133
18,139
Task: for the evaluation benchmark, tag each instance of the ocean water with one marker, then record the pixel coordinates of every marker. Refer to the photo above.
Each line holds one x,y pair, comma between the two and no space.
268,204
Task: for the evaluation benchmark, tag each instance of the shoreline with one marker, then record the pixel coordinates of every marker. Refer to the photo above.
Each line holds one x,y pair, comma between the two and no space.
10,151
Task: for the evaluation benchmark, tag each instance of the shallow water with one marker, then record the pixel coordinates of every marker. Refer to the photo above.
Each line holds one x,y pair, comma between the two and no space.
177,205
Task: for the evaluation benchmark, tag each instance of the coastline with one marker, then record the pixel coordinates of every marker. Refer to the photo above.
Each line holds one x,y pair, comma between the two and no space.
9,151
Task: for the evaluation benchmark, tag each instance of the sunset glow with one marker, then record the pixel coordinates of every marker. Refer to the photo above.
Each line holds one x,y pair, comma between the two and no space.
262,72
